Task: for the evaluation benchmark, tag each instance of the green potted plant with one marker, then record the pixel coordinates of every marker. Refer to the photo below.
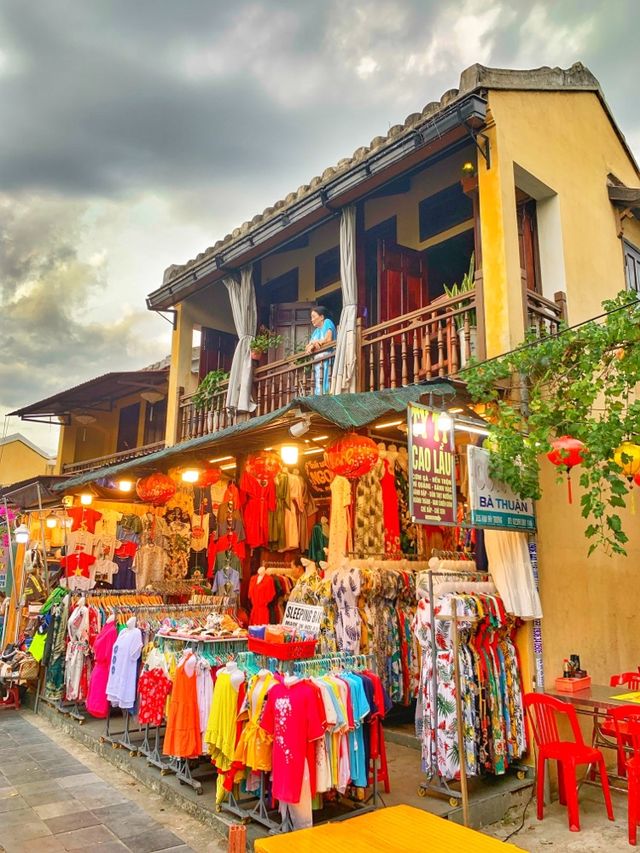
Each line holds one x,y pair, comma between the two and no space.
208,388
264,340
466,285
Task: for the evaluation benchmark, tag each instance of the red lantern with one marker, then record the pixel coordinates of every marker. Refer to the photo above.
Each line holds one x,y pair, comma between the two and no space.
265,465
156,489
210,477
352,456
567,452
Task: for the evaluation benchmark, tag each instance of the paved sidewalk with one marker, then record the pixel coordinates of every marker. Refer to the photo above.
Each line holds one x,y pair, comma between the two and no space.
50,800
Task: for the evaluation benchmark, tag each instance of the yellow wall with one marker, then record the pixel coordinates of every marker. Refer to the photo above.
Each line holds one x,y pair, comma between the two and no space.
566,143
19,462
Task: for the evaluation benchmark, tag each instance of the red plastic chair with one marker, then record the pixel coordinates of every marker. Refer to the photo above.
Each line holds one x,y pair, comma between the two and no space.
543,712
626,720
606,728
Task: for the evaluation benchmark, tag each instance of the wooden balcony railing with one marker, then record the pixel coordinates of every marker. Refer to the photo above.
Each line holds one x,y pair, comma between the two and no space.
111,459
544,316
274,385
434,341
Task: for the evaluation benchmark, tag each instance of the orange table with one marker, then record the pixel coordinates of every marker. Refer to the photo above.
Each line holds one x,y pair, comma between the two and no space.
403,829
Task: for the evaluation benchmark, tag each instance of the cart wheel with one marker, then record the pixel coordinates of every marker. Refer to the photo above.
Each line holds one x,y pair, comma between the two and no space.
422,792
134,753
115,746
164,772
81,722
453,801
199,791
102,740
218,808
521,775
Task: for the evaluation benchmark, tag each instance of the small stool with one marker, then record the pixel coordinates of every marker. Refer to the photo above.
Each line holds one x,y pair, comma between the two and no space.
13,699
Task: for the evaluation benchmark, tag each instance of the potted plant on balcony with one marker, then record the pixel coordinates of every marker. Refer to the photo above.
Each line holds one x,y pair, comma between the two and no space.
208,388
264,340
466,286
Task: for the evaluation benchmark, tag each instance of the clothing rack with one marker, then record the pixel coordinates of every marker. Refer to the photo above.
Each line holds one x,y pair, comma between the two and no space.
452,555
441,786
261,814
384,555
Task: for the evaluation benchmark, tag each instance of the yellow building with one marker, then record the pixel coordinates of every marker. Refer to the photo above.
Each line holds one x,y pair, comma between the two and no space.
527,171
21,459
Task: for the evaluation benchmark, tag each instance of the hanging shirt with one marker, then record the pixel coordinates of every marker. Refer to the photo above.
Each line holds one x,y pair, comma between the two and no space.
291,715
84,516
77,564
121,686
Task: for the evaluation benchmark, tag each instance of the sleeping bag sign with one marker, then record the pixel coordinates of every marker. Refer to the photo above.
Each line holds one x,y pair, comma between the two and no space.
432,470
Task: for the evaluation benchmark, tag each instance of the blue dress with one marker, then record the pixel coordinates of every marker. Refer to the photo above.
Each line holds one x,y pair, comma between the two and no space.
321,370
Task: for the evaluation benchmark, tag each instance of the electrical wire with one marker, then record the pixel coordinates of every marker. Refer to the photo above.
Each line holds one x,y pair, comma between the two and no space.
524,815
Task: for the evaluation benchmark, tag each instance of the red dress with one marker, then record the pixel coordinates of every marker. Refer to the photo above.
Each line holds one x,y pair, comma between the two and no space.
390,511
259,498
153,689
260,595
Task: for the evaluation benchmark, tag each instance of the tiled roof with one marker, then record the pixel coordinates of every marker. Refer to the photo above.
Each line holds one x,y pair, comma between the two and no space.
476,77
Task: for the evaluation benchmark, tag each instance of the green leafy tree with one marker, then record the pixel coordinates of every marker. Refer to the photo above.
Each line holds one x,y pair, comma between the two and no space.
581,382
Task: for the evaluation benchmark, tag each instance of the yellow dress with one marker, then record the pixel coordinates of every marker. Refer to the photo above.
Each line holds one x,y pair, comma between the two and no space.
254,746
339,529
220,734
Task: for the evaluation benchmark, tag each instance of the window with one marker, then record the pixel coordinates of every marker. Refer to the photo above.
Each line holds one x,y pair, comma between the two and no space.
279,290
328,268
443,210
632,266
155,422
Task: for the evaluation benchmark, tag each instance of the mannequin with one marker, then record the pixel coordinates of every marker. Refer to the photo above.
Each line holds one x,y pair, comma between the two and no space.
392,454
131,622
309,567
402,459
382,450
235,673
261,573
324,522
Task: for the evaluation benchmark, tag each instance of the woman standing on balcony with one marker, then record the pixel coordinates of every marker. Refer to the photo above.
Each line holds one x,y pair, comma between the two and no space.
324,331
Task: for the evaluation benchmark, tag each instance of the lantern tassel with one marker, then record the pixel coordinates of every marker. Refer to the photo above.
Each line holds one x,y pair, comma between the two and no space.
633,500
569,485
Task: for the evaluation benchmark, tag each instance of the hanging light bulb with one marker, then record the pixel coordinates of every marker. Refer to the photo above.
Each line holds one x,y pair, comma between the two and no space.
289,454
21,534
52,521
444,422
125,485
191,475
86,499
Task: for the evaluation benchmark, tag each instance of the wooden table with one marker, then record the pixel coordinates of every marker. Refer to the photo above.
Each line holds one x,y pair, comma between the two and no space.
402,829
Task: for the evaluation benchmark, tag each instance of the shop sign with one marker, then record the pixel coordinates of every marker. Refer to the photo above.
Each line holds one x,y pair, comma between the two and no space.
303,617
432,470
318,477
492,503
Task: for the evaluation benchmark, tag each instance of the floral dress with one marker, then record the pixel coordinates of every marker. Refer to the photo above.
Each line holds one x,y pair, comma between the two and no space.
153,688
312,589
369,516
345,586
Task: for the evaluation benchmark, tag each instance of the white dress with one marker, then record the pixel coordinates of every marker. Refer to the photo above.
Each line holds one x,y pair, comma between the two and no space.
77,651
123,672
512,573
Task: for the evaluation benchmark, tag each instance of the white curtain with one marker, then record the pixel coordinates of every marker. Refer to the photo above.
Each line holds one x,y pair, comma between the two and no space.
245,316
512,573
343,378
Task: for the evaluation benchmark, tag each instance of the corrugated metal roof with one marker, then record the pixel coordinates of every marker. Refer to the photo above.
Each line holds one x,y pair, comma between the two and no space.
345,411
95,391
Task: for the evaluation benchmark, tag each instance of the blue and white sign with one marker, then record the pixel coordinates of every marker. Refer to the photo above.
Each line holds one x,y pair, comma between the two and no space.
494,504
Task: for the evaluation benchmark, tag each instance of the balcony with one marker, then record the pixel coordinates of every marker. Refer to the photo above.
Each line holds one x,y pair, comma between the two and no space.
112,458
543,316
434,341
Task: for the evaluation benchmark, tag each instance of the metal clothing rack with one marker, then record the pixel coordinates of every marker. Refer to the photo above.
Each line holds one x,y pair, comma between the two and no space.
441,786
261,813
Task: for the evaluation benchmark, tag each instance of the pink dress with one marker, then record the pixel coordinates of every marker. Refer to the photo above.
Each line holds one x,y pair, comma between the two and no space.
97,703
292,716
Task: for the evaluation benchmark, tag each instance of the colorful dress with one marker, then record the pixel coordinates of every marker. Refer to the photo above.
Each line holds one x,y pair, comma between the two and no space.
277,530
339,526
182,738
262,591
390,510
259,497
369,516
153,688
345,586
97,703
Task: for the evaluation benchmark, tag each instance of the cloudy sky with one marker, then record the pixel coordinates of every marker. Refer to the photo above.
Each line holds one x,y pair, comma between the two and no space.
135,134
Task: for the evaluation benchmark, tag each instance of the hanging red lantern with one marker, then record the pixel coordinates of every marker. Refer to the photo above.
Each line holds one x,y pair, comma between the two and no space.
156,489
352,456
567,452
265,465
210,477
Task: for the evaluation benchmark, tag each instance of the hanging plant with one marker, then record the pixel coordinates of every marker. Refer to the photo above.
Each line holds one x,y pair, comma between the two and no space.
580,383
210,386
264,340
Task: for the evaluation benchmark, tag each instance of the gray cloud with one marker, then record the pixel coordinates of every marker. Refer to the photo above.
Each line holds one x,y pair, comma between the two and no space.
199,114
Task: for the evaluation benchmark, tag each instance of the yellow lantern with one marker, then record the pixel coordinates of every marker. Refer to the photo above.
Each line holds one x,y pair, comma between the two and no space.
627,457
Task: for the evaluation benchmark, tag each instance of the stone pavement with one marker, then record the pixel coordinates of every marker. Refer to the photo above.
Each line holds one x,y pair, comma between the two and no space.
51,799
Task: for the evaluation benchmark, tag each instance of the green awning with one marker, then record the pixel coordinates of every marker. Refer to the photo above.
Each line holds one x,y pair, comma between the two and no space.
345,411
